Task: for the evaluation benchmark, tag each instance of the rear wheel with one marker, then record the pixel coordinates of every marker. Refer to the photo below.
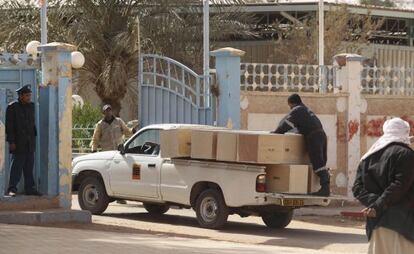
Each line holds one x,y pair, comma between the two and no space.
277,219
92,195
211,209
156,209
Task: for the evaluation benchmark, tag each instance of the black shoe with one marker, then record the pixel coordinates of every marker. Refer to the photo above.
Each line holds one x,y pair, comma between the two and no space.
12,193
33,193
324,191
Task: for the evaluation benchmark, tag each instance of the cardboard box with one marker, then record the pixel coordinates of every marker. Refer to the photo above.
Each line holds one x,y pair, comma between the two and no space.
227,146
272,148
287,179
175,143
204,144
313,181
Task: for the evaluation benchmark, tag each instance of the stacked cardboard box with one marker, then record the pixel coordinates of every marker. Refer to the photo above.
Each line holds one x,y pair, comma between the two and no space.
261,148
175,143
313,183
285,155
204,144
287,178
272,149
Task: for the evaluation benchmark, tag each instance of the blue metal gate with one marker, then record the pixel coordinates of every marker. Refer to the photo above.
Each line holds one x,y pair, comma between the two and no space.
16,70
170,92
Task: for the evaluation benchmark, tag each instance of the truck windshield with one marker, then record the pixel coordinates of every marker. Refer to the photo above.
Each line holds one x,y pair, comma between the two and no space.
146,142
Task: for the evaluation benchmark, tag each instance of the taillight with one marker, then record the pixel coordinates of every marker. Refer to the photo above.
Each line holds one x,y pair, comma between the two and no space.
261,183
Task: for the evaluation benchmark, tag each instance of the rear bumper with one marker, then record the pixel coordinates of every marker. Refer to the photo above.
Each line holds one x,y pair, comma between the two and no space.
294,200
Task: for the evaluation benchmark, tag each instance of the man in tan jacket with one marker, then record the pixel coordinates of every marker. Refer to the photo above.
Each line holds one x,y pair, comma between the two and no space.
110,131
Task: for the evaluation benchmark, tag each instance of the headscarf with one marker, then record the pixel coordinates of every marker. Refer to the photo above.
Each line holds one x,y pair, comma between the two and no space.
395,130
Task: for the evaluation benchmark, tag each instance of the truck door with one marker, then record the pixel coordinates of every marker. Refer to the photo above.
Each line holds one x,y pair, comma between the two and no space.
136,173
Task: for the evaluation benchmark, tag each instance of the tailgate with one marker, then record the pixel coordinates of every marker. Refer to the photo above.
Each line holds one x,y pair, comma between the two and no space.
300,200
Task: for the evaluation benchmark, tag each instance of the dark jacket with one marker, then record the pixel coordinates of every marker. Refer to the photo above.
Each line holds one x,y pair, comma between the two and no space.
385,182
20,126
302,118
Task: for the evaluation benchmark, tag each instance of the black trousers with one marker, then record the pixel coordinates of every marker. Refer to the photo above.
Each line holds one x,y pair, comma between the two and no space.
316,144
22,162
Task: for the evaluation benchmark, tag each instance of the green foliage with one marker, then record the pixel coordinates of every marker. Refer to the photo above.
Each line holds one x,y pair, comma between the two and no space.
84,120
86,115
384,3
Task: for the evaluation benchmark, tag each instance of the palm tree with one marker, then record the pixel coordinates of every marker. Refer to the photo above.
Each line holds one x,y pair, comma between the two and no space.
106,32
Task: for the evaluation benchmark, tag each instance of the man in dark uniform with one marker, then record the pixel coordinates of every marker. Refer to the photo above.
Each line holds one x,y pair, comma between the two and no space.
21,136
309,125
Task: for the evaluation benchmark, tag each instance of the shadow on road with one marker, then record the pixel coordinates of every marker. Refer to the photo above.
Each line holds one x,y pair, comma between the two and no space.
315,238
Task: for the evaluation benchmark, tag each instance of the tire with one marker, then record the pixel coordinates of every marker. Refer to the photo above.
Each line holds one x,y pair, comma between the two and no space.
211,209
278,219
92,195
156,209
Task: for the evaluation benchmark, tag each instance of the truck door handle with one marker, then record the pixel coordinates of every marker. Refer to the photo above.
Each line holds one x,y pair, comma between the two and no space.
152,165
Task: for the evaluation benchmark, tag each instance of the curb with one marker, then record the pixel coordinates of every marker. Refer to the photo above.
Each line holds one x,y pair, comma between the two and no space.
45,217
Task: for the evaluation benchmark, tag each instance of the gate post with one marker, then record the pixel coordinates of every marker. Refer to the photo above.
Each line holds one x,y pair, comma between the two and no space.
3,106
55,123
349,77
228,74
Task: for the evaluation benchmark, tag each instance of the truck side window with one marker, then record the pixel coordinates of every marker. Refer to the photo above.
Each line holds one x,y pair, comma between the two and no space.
145,143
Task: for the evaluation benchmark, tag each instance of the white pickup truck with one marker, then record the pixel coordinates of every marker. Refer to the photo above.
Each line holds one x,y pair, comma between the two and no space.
138,172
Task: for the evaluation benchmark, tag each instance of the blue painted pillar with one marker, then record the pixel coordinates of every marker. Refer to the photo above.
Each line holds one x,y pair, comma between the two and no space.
3,105
228,74
55,121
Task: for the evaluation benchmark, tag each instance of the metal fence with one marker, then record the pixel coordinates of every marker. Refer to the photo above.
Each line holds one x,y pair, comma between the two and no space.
387,81
81,138
287,77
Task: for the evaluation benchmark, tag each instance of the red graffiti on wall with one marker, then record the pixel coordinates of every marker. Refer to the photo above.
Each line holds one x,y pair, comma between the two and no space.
411,122
374,127
353,127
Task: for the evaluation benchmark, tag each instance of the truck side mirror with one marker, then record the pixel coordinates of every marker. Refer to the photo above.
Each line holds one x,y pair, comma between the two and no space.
121,148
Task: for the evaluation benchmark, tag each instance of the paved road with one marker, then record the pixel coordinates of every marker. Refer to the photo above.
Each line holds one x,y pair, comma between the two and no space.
19,239
179,229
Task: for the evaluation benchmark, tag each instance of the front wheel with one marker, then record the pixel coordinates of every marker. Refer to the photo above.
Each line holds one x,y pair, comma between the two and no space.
92,195
277,219
156,209
211,209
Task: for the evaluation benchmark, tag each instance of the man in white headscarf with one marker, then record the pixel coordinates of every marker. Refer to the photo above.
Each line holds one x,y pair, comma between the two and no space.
385,186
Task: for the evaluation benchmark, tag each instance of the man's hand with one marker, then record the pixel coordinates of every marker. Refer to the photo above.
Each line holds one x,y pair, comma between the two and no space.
12,148
369,212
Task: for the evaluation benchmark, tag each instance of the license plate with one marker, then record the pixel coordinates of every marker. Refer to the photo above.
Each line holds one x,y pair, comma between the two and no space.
293,202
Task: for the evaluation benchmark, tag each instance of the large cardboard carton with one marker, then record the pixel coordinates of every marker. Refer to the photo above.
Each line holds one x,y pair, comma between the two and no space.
204,144
227,146
313,181
175,143
287,179
272,148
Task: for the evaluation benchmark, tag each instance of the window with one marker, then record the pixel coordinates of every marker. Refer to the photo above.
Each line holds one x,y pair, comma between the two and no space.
149,137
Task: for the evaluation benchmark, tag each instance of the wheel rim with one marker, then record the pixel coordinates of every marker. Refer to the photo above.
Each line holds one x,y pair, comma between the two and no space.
90,195
209,209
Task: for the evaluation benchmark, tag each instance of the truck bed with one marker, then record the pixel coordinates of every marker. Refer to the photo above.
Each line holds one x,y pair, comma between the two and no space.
282,199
